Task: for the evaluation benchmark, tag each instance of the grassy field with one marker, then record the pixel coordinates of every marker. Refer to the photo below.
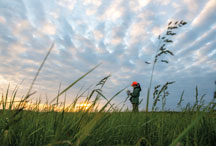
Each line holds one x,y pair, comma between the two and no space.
23,123
25,128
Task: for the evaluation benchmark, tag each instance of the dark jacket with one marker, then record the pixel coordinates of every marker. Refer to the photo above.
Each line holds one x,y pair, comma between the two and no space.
135,95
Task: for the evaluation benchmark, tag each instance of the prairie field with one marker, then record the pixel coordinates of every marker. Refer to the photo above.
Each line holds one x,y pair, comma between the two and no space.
97,127
107,72
27,123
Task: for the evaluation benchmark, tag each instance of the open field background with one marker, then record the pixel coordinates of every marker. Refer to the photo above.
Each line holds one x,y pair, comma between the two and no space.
156,43
117,128
26,123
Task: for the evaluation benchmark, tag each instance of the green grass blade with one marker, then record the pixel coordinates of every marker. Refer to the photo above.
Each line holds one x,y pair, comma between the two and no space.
6,97
41,66
13,98
186,130
112,99
72,84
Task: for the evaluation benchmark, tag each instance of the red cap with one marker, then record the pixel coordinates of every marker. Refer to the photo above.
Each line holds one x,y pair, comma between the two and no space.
134,84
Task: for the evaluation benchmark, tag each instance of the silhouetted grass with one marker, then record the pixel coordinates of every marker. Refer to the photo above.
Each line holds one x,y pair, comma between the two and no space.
24,123
54,124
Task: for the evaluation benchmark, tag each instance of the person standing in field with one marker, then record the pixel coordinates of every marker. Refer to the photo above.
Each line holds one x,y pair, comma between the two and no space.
134,99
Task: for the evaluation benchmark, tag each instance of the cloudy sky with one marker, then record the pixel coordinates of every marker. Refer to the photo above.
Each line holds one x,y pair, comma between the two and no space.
120,34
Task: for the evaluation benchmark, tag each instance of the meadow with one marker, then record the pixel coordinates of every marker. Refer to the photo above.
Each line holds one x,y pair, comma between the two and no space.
24,128
27,123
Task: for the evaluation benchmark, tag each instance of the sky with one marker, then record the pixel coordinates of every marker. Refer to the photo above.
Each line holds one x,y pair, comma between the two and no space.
120,34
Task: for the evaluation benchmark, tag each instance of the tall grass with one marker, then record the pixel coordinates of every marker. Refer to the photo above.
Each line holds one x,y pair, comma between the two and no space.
57,124
162,50
25,123
107,128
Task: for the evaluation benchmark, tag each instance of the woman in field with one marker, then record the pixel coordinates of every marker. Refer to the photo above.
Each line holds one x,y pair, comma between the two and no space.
135,96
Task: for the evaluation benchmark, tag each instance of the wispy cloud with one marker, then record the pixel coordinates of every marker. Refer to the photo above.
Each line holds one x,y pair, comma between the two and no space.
121,34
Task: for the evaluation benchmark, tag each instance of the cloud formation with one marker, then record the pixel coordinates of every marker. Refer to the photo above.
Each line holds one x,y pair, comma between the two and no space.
120,34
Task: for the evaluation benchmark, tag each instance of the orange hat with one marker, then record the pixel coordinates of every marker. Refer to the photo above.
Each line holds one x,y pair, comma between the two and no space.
134,84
